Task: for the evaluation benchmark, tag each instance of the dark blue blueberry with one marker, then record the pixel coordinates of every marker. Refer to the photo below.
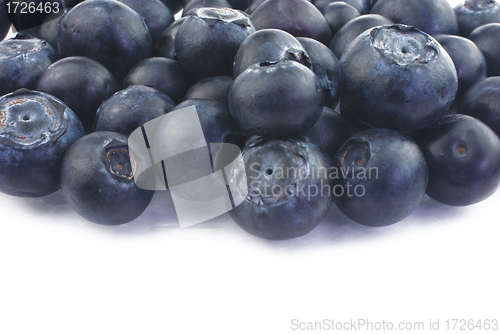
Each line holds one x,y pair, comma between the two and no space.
97,180
468,59
289,189
487,39
195,4
36,130
397,77
165,44
166,75
329,132
432,16
302,19
353,29
82,83
362,6
325,66
382,177
474,13
269,45
107,31
24,59
214,88
276,99
482,101
130,108
337,14
463,155
207,41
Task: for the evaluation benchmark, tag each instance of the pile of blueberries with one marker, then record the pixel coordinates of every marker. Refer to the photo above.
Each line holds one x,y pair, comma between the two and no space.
363,103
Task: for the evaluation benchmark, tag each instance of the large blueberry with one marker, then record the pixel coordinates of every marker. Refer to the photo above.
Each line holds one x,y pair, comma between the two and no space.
432,16
276,98
166,75
482,101
382,177
82,83
397,77
208,40
302,19
269,45
130,108
487,39
463,155
474,13
24,59
289,189
107,31
36,130
97,180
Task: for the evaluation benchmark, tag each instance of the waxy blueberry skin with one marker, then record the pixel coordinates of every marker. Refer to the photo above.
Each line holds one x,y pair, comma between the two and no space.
164,46
276,99
463,156
213,88
23,59
475,13
431,16
337,14
97,180
294,168
36,130
397,77
487,39
208,40
362,6
107,31
382,175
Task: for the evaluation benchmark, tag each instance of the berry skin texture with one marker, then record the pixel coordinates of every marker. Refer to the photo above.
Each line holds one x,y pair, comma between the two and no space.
36,130
475,13
283,175
487,39
382,177
97,180
463,155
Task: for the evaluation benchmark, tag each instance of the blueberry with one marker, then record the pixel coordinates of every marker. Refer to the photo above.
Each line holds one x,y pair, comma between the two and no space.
482,101
166,75
82,83
487,39
337,14
468,59
431,16
397,77
329,132
463,155
325,66
130,108
353,29
382,177
214,88
474,13
362,6
207,41
288,187
276,98
302,19
165,43
269,45
155,13
36,130
24,59
195,4
50,28
97,180
107,31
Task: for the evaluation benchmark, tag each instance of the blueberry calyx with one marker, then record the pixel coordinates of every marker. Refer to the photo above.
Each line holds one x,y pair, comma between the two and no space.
30,119
300,56
118,160
214,14
405,45
354,157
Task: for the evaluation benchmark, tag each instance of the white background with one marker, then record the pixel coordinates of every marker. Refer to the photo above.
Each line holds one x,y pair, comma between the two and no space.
62,274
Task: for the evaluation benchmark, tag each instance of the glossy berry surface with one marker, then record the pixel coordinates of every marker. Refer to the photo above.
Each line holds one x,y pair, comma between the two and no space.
472,14
276,98
337,14
286,178
97,180
463,155
36,130
382,177
416,80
